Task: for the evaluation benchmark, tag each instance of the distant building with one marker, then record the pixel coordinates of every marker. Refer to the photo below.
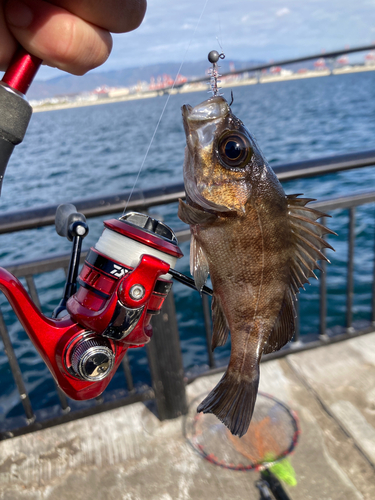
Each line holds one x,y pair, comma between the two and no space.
101,91
165,81
118,92
370,59
277,70
320,64
343,61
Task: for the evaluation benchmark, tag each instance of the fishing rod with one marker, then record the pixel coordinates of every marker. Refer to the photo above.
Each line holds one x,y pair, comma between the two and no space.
15,111
124,280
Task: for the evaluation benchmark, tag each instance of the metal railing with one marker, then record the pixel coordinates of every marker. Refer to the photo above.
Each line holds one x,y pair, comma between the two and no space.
164,353
143,200
284,62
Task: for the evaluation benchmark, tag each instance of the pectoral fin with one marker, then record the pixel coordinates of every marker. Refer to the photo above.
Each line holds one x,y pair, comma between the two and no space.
193,216
198,264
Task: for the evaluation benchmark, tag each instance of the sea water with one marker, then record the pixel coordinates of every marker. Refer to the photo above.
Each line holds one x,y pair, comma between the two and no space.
98,150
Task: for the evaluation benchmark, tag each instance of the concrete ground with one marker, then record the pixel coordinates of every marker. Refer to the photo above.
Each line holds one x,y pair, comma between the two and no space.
127,454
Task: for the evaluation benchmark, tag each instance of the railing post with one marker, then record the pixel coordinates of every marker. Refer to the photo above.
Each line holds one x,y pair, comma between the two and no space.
323,299
208,330
165,360
296,336
350,283
323,293
373,292
16,371
127,373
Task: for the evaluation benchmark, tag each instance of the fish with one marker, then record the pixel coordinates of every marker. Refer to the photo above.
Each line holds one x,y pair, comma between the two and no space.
259,246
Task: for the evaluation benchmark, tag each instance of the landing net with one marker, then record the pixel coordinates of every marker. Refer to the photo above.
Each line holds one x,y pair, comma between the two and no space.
272,435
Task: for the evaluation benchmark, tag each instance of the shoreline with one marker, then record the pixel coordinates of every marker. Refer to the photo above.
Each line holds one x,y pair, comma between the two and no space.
198,87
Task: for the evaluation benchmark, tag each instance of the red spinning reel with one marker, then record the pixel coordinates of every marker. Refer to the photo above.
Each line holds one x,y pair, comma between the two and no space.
124,281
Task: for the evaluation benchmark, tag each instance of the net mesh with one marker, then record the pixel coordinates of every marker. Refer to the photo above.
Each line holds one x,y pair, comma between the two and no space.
272,435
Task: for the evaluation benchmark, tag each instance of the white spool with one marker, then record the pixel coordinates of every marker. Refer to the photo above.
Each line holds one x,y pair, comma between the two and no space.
129,252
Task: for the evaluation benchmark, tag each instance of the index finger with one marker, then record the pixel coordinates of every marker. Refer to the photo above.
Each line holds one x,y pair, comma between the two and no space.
116,16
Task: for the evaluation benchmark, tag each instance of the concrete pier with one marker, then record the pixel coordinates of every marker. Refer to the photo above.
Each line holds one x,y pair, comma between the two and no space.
128,454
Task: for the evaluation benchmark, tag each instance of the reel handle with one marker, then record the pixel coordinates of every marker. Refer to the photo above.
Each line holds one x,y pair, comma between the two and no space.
67,221
72,225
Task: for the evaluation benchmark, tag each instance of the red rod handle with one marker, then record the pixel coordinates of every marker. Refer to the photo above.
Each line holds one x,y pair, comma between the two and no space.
21,71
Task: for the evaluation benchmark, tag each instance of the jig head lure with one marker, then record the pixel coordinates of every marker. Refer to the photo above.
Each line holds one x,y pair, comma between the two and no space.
213,58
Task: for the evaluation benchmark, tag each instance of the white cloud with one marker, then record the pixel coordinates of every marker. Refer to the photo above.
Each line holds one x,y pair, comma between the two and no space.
283,12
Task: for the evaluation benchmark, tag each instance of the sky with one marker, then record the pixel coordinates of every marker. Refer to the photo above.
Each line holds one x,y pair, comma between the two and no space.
267,30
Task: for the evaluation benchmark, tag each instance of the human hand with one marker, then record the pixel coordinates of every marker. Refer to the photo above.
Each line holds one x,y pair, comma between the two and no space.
71,35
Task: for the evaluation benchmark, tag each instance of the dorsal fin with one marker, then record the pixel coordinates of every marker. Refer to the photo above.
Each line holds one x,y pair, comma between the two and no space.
220,329
308,241
284,328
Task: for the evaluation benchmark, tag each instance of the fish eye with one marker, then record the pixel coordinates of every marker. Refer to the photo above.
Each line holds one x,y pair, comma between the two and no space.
234,150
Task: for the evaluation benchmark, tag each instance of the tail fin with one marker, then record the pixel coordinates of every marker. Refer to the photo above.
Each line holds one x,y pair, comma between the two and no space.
233,401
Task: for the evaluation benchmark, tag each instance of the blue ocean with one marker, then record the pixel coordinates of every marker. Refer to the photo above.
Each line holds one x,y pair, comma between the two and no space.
98,150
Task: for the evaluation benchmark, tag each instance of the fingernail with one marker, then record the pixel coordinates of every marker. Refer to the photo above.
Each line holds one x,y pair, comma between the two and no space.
18,14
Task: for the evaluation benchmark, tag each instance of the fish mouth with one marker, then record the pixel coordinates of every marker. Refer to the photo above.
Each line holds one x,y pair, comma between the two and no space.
211,109
186,110
201,120
199,123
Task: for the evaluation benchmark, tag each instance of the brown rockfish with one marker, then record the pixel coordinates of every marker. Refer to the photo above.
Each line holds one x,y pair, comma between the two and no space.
258,244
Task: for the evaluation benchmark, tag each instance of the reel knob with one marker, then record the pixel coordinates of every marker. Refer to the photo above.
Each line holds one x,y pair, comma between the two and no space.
92,359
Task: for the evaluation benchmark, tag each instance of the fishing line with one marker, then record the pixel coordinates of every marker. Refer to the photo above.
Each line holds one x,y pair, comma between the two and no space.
165,105
220,38
220,35
221,48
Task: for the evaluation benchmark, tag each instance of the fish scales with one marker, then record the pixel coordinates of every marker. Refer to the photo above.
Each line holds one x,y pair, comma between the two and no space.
258,245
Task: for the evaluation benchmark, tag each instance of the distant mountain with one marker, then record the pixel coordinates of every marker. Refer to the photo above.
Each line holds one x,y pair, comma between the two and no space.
68,84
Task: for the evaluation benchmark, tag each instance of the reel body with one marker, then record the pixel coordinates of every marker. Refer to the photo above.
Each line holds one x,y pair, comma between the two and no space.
123,282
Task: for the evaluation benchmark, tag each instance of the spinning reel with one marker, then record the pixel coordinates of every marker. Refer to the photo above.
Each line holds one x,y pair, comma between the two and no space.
123,282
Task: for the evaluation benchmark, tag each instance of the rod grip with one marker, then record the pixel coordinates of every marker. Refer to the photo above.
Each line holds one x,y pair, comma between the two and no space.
15,114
